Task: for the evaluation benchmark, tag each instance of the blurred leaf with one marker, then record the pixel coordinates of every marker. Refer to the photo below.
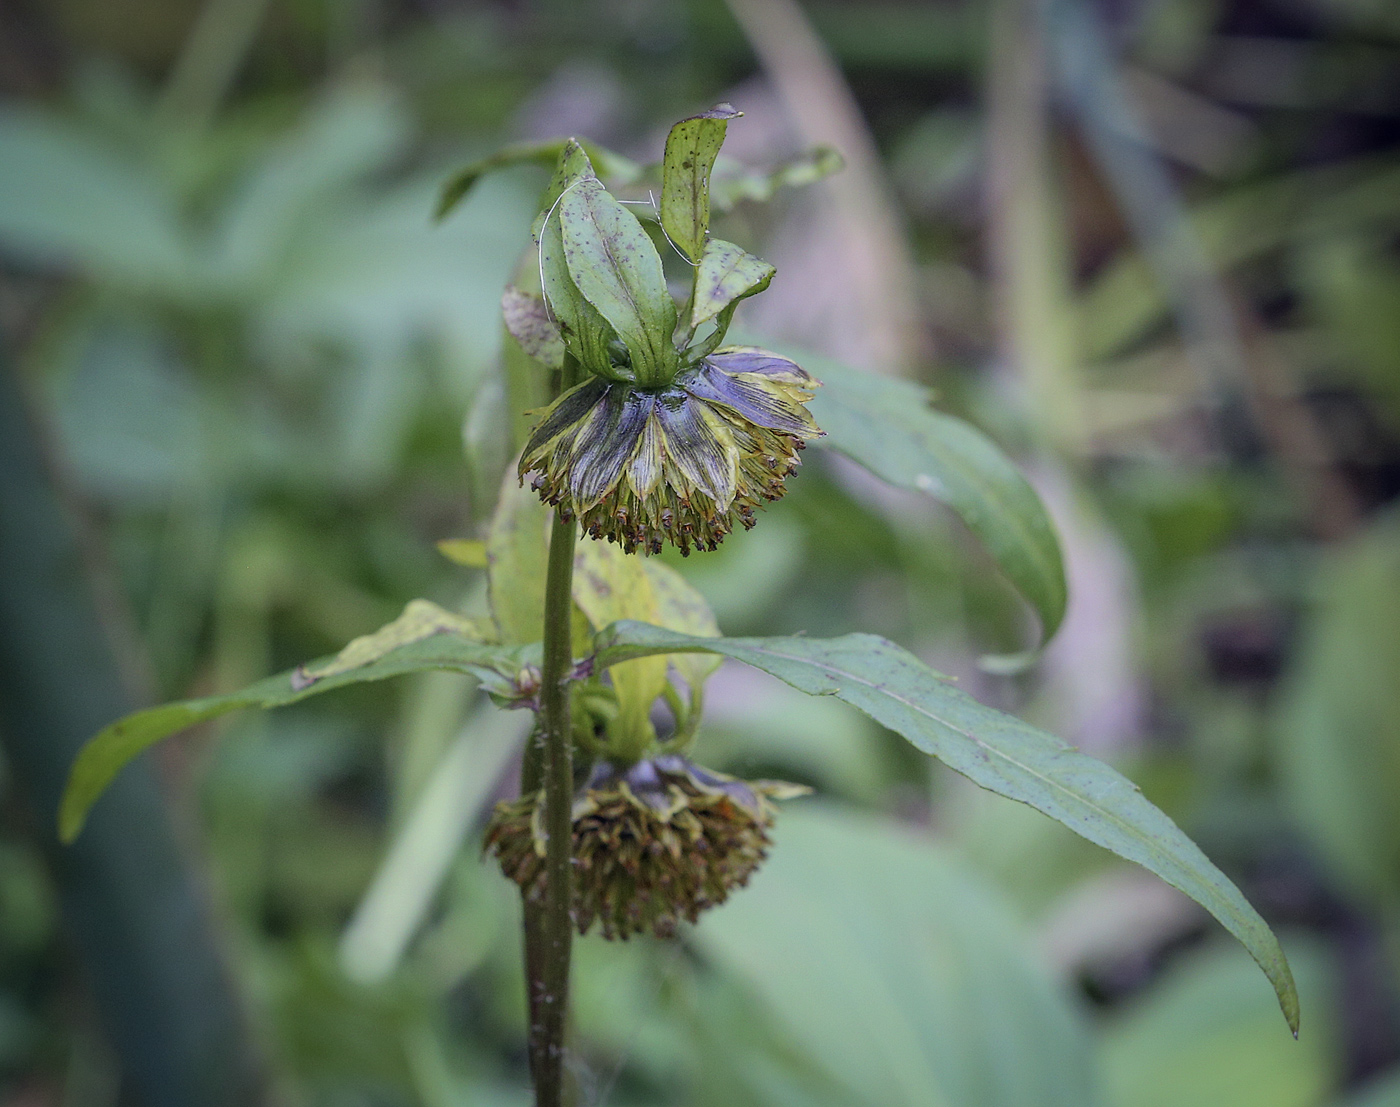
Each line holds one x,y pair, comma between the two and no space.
67,198
527,319
618,271
1352,282
354,130
1205,1034
732,183
888,426
691,149
997,751
115,745
613,168
470,552
1124,301
1339,718
897,974
1384,1092
402,893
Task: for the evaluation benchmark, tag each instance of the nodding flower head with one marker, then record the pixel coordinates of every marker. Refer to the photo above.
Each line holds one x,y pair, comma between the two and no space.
654,843
681,463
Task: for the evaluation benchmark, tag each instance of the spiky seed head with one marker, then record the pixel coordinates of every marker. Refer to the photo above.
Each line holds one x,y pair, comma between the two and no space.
657,842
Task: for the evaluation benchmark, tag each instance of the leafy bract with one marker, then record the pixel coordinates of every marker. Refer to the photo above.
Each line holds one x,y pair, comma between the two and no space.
996,751
725,276
617,269
586,334
887,426
115,745
691,149
614,168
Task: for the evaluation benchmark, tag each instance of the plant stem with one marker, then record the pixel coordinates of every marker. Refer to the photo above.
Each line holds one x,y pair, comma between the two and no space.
549,765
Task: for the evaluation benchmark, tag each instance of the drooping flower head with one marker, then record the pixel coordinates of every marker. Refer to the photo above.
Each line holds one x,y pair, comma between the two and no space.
683,463
668,437
657,842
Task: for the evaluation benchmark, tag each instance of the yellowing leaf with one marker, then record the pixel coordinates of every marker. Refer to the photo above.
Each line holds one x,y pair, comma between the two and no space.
470,552
610,585
420,619
517,550
680,607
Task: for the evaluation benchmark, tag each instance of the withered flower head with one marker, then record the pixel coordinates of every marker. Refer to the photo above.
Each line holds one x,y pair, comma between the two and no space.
654,843
682,463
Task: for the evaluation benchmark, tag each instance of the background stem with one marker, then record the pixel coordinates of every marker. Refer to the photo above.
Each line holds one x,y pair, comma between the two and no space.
549,765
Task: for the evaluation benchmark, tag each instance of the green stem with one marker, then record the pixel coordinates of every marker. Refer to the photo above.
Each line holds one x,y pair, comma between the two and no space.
549,765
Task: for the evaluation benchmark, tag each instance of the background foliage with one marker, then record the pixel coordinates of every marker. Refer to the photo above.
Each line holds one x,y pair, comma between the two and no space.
1151,248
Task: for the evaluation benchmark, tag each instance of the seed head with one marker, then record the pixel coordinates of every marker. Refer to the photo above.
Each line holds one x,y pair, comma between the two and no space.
654,843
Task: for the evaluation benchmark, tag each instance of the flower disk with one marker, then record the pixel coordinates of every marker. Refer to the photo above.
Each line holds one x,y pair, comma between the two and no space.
654,843
682,463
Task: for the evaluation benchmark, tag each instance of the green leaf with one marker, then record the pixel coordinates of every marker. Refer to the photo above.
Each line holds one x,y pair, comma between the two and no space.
610,585
901,978
527,319
1384,1091
1339,715
470,552
614,168
732,183
1205,1033
726,275
691,149
996,751
393,655
585,332
887,426
618,271
680,607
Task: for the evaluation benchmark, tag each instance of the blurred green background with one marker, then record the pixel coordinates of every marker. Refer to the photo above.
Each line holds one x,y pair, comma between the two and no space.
1152,246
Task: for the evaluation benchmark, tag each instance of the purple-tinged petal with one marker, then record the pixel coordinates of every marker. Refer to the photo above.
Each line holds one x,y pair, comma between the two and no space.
752,359
600,457
750,399
697,445
566,411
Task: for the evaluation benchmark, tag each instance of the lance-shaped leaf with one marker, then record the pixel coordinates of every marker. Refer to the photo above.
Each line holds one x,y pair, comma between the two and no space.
691,149
732,182
887,426
725,276
614,265
528,321
585,332
996,751
613,168
419,639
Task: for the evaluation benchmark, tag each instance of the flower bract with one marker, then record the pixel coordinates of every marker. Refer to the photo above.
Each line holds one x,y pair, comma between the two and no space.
682,463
